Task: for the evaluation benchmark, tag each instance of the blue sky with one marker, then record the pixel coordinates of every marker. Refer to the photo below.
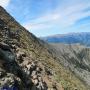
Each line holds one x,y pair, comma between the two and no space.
49,17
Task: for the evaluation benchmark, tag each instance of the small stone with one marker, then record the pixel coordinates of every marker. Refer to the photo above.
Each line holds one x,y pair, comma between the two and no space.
14,46
35,77
48,71
0,73
3,79
54,86
28,72
38,69
40,79
25,69
36,82
33,65
34,73
28,66
41,84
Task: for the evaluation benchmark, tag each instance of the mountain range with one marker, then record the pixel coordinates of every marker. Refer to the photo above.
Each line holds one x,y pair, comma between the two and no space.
71,38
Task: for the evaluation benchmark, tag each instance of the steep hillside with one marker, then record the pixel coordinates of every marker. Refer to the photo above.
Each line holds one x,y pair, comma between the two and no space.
72,38
29,63
76,57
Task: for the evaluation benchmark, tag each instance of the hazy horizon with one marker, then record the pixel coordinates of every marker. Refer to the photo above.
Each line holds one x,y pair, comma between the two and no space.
63,34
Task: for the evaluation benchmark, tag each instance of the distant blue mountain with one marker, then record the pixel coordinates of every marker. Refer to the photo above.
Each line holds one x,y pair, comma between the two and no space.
72,38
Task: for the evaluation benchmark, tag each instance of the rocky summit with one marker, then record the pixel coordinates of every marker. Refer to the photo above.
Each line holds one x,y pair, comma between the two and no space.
28,63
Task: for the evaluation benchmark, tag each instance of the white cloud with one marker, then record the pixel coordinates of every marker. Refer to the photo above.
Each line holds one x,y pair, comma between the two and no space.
4,3
46,18
42,22
60,18
36,26
71,19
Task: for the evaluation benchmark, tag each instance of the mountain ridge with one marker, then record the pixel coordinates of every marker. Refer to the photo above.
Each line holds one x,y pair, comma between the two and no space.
71,38
31,51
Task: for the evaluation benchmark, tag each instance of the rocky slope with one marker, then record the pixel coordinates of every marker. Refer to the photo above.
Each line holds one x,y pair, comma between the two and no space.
76,57
27,63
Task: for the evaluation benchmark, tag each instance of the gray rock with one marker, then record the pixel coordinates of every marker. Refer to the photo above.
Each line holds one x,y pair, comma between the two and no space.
36,82
11,65
34,76
40,79
34,73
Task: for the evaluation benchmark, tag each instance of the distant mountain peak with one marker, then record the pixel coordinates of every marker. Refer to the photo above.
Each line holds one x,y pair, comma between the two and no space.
70,38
